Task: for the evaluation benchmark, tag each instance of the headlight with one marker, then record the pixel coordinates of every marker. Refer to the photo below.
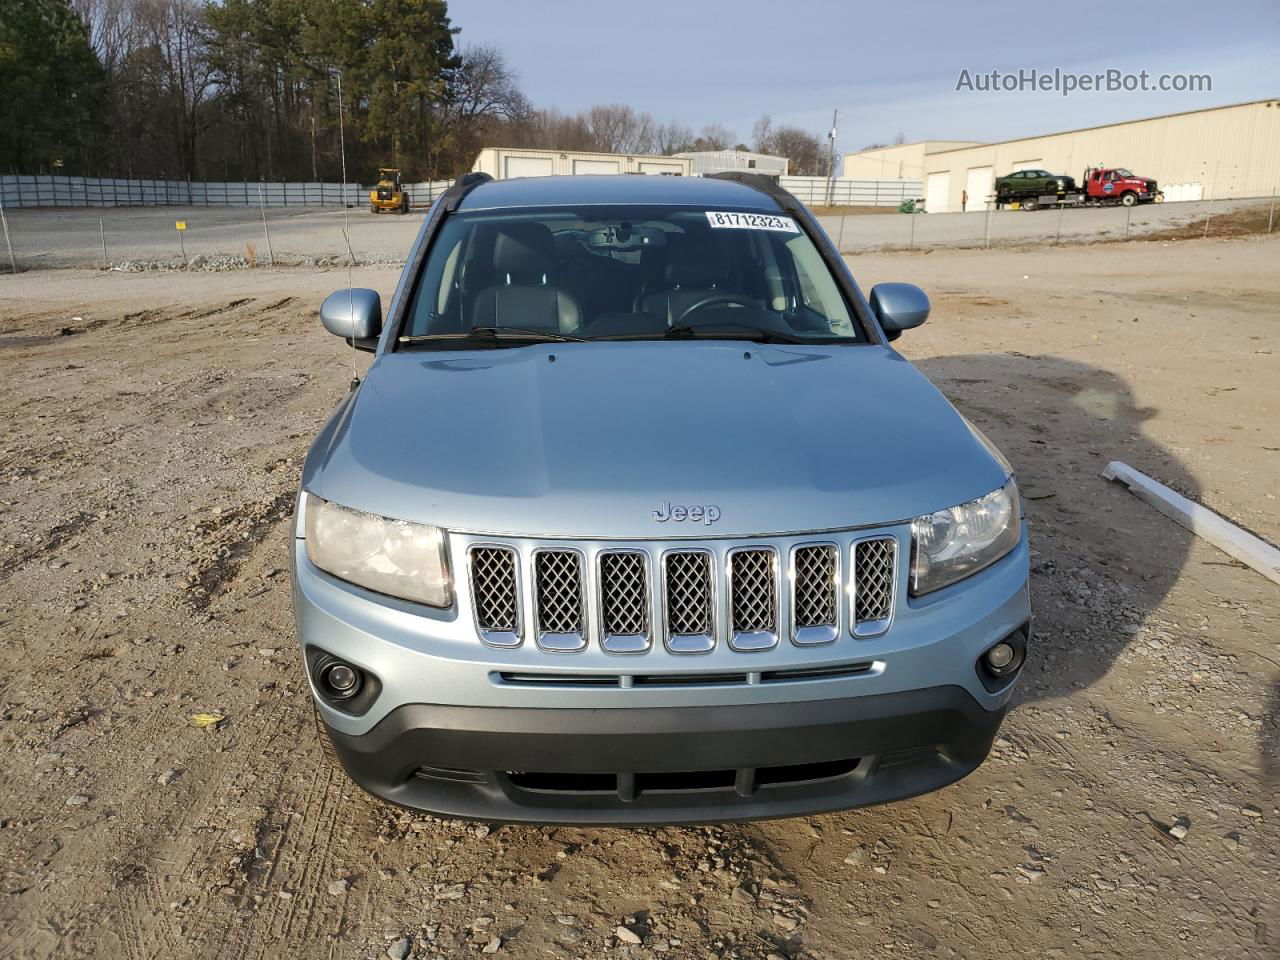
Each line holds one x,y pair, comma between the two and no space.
395,557
952,544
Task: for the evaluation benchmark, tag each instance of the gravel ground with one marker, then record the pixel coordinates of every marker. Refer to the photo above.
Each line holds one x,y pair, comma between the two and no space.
156,424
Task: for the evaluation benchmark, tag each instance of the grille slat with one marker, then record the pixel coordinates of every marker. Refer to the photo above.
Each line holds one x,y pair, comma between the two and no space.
558,591
688,597
815,604
495,595
624,602
874,563
753,593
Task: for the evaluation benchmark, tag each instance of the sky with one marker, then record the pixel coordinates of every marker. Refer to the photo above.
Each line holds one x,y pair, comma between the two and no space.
890,69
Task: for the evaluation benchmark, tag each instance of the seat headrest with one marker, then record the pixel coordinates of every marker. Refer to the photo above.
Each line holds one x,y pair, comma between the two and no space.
696,263
527,249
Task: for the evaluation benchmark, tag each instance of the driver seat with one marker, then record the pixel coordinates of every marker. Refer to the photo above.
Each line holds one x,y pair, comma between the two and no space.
694,271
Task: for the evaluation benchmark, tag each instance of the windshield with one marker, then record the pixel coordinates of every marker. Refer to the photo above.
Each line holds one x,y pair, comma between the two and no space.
635,272
1122,172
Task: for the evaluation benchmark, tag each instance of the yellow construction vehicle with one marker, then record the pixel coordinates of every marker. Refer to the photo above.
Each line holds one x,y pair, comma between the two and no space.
389,194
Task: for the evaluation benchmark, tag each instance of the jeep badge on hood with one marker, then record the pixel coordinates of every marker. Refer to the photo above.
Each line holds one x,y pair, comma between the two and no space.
697,512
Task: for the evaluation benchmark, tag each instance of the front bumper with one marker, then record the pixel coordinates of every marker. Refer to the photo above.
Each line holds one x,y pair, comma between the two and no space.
522,734
686,764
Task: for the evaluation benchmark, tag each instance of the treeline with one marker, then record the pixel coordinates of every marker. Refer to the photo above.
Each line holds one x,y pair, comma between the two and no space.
249,89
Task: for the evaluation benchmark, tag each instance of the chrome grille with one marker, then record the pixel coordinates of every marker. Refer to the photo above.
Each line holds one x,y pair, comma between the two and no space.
815,594
624,602
688,599
607,595
753,598
558,590
495,596
873,578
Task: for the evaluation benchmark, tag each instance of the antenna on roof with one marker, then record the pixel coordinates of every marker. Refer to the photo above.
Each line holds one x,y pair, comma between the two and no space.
346,233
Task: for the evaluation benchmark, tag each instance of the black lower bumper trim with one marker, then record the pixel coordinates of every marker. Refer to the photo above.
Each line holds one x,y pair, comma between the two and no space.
674,764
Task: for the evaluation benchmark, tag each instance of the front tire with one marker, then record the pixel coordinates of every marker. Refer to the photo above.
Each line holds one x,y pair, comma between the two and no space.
1128,198
373,208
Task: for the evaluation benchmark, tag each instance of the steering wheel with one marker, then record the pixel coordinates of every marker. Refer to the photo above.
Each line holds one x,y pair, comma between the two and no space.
715,300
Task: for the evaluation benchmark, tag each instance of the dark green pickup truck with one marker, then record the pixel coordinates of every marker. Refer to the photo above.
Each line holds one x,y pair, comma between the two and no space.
1032,184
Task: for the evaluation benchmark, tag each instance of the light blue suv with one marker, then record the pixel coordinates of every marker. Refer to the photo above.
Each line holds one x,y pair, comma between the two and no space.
638,518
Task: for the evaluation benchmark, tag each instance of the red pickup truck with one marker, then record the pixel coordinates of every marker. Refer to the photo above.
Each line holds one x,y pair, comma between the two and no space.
1118,185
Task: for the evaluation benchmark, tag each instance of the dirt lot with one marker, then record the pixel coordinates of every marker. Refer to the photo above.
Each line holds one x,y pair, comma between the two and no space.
154,428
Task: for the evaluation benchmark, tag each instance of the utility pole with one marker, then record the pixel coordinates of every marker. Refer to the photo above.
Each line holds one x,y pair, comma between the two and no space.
831,158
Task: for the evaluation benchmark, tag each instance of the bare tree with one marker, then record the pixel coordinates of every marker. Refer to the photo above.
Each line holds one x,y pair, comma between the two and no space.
714,136
113,30
484,85
672,137
802,148
177,31
762,132
617,128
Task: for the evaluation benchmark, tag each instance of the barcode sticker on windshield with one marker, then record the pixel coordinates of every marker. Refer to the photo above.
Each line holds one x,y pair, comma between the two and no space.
751,221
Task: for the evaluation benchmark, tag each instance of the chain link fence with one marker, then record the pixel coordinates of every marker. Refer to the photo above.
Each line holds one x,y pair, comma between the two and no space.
1048,226
18,192
235,235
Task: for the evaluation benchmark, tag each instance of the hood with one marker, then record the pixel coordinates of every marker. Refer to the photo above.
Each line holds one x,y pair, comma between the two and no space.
589,440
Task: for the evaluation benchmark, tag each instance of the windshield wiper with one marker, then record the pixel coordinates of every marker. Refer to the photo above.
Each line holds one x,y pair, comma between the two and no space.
496,333
729,331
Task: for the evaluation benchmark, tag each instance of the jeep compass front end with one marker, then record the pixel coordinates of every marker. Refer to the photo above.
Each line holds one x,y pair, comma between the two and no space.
638,518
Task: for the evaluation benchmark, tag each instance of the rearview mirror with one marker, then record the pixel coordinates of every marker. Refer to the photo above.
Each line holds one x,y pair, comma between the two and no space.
898,307
355,314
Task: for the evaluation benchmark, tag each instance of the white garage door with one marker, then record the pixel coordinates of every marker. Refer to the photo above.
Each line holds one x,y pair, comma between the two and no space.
595,166
656,166
1028,165
936,188
528,167
978,186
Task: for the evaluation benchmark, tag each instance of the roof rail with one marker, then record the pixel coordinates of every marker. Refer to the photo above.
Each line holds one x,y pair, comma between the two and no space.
763,183
471,179
461,187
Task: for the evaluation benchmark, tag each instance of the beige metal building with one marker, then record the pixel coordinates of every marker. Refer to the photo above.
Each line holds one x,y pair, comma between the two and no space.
902,161
504,163
1231,151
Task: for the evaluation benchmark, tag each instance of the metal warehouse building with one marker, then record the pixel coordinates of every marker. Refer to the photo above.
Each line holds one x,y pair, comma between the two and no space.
902,161
718,161
1231,151
504,163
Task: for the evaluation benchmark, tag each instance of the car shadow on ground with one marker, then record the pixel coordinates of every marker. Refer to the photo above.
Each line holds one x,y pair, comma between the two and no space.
1101,559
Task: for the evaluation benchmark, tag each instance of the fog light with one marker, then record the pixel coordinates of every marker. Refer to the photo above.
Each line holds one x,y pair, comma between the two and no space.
342,681
1000,656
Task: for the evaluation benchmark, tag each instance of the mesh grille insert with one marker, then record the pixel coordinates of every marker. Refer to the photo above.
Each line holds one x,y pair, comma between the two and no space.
873,572
559,591
816,587
688,586
624,594
493,586
755,603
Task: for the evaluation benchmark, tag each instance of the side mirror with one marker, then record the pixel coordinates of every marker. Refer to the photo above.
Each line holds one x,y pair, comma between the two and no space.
898,307
355,314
